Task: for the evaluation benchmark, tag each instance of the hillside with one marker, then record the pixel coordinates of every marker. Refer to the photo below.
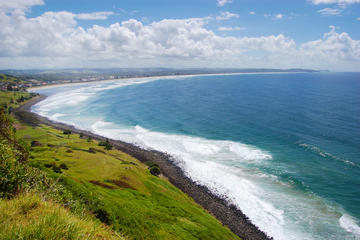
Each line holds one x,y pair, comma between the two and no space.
96,185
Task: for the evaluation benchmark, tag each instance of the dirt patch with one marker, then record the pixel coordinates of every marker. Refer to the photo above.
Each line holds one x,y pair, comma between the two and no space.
122,184
104,185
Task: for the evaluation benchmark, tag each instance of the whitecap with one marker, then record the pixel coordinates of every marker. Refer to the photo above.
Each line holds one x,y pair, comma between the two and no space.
349,224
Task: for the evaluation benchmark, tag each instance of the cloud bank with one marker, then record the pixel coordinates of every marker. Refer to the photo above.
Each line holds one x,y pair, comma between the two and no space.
317,2
54,39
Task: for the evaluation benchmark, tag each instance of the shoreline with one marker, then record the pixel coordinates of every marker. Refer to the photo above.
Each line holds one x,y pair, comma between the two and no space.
153,77
227,214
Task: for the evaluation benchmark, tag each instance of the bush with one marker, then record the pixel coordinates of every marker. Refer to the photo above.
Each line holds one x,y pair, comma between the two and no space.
108,147
67,132
63,166
106,144
155,170
12,172
92,150
56,169
48,165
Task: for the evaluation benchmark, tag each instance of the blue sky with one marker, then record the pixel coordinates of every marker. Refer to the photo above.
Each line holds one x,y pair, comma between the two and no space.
301,19
320,34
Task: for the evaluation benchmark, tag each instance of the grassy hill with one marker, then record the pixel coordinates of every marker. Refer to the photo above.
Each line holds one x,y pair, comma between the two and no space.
28,216
93,186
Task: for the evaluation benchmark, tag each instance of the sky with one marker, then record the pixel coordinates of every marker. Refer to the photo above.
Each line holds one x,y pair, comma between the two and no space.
314,34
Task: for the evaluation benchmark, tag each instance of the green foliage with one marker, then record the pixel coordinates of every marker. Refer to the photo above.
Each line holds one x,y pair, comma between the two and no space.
92,150
12,172
67,132
63,166
106,144
155,170
56,169
120,191
28,216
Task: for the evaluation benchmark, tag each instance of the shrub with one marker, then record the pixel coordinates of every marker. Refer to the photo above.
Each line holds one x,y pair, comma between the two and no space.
12,172
155,170
92,150
63,166
106,144
108,147
48,165
56,169
67,132
35,143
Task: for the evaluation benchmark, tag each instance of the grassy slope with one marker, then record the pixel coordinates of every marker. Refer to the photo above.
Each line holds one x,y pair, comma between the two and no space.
5,97
127,196
9,78
138,204
29,217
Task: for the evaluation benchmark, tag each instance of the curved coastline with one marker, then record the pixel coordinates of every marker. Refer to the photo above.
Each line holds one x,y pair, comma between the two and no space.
228,214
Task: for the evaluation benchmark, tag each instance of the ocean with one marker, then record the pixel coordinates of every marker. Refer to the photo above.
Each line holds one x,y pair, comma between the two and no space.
284,148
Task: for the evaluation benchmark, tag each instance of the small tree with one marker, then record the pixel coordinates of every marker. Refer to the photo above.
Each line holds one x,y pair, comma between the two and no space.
106,144
67,132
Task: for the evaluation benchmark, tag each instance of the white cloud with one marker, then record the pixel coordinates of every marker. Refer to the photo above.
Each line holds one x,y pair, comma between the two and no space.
252,13
317,2
275,16
334,47
223,2
231,28
330,11
358,19
19,4
279,16
227,15
94,15
55,39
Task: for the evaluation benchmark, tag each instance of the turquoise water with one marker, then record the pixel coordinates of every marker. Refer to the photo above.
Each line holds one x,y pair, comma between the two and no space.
285,148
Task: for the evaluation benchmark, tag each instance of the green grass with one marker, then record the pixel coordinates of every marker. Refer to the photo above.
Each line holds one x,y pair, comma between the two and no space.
9,78
120,190
29,217
6,97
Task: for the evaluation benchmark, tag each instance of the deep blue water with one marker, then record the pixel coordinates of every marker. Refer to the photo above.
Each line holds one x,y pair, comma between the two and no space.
296,137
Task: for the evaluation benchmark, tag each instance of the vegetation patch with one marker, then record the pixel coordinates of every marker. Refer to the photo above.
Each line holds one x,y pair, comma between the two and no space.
122,184
101,184
29,217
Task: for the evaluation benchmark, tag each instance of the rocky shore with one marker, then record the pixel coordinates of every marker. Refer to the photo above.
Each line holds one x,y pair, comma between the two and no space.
226,213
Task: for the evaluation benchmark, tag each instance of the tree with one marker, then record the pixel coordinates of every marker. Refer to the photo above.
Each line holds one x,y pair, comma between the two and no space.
67,132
